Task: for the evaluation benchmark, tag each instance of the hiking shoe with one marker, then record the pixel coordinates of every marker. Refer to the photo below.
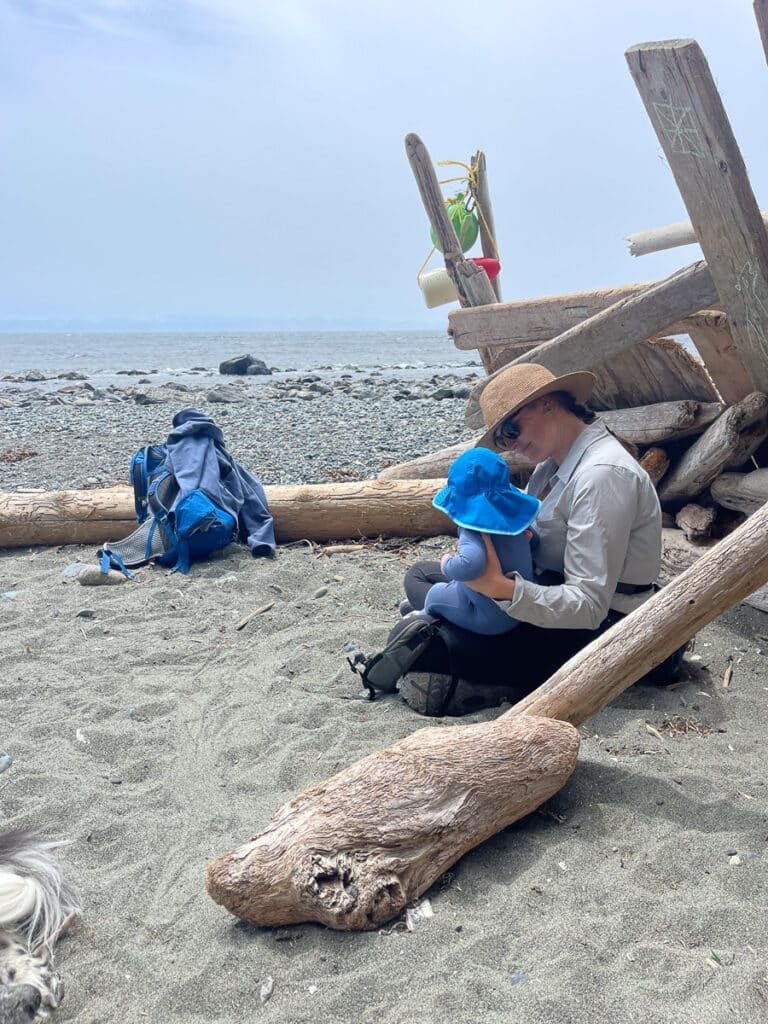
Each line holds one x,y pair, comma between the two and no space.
405,607
433,694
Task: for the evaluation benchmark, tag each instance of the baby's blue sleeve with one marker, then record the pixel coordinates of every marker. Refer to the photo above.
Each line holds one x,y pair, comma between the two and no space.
469,561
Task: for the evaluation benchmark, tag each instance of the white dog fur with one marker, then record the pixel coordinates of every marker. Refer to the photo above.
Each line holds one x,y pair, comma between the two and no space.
37,904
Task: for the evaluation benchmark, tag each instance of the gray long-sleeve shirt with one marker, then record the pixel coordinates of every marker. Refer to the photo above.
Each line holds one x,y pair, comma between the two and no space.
600,524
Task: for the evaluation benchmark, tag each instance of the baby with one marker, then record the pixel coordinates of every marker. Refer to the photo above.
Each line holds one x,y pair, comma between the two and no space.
480,499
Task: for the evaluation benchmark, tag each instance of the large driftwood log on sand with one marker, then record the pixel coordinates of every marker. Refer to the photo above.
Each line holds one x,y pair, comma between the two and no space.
353,851
369,508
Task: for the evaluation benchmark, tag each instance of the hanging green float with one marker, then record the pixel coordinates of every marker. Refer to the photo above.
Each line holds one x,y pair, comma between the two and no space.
465,223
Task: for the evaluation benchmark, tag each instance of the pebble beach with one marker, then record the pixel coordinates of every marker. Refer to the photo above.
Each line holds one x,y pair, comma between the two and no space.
305,428
160,722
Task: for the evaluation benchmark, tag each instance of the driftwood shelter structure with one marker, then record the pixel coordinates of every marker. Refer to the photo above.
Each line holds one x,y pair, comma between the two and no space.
355,850
700,426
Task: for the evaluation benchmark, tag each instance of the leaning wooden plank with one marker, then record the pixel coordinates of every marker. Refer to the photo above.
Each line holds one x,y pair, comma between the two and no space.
369,508
741,427
685,109
667,237
530,322
760,8
352,852
679,554
658,370
616,328
485,216
714,342
744,492
627,322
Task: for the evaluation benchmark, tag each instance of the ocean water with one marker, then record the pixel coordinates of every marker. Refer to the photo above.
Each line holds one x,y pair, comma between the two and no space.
189,356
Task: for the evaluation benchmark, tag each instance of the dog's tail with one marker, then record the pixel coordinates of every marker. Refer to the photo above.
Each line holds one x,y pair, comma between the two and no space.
35,897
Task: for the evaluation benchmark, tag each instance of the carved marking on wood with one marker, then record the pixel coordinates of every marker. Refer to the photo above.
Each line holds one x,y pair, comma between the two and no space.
755,311
680,128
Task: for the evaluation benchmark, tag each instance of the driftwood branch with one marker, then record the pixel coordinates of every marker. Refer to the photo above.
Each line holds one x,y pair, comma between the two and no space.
667,237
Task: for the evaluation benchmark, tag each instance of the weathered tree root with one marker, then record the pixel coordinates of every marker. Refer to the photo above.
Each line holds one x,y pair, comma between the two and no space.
352,852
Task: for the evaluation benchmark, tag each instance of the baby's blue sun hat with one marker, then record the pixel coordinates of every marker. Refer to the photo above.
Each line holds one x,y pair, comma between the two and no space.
480,496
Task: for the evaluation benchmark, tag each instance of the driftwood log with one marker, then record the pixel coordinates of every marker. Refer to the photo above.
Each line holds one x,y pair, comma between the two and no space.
644,425
352,852
695,521
679,554
727,443
744,492
355,851
530,322
437,464
655,462
368,508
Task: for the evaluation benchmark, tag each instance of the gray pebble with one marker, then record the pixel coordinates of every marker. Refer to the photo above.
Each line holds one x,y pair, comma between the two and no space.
116,780
86,613
320,592
5,762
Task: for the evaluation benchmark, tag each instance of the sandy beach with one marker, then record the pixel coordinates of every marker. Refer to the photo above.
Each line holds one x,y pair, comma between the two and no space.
150,730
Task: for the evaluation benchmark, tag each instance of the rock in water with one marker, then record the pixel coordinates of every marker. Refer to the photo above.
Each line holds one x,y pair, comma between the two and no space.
242,365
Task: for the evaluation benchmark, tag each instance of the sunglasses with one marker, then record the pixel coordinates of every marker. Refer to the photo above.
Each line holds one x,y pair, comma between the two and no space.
508,431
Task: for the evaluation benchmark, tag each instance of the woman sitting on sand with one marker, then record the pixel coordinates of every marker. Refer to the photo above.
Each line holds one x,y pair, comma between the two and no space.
597,559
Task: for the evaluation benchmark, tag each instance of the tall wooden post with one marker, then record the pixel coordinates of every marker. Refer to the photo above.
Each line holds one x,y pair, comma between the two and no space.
485,216
760,8
684,106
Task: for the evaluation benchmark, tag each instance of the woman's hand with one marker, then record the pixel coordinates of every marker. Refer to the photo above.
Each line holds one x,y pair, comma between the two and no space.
492,582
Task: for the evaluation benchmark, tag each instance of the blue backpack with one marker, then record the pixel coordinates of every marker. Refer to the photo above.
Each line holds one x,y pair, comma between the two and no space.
173,531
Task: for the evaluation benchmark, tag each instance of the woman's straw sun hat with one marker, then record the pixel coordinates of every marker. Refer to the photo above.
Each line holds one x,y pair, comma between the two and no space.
520,384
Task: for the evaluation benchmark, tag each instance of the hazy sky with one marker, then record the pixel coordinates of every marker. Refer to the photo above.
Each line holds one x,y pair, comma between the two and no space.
244,158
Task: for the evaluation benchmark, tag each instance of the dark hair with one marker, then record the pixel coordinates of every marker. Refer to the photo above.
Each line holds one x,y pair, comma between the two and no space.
569,403
587,415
